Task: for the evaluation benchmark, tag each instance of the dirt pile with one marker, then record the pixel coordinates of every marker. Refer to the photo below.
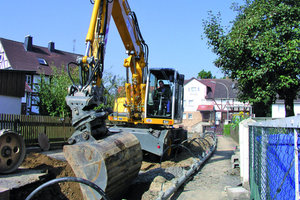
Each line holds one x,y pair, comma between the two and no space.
54,169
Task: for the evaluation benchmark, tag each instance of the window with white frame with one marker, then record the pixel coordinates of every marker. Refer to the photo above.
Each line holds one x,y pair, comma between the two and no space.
190,116
184,116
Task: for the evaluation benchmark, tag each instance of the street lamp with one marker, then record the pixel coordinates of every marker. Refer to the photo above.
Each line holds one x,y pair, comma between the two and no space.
227,92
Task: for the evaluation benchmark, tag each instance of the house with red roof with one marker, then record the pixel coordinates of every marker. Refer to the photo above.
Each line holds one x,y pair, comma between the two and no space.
25,56
211,102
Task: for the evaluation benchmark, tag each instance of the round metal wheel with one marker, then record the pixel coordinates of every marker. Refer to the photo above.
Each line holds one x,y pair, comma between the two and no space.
12,151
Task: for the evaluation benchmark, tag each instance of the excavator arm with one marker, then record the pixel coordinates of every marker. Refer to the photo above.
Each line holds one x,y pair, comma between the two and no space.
137,61
134,44
88,94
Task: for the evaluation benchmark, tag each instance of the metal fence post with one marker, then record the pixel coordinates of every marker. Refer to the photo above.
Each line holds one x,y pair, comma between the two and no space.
263,167
251,146
296,165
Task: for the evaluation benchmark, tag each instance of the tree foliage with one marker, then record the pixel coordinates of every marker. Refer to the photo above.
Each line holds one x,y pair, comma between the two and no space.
52,93
205,75
112,83
261,50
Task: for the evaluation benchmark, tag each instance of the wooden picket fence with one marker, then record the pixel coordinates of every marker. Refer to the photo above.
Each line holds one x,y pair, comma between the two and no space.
57,129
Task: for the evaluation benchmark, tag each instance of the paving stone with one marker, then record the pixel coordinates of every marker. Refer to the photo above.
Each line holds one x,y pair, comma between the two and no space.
237,193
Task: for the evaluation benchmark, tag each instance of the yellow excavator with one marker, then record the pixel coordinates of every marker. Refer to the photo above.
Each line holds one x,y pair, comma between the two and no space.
144,118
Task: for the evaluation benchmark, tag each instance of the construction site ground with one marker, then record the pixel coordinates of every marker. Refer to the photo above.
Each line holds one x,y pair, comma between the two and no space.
210,182
216,175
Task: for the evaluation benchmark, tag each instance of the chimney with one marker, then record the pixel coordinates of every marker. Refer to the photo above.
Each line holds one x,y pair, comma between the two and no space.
51,46
28,43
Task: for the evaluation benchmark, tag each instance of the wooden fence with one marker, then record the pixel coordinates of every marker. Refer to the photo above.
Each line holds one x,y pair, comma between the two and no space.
57,129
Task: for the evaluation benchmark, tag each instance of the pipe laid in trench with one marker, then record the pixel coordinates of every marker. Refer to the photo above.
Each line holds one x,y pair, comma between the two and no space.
195,167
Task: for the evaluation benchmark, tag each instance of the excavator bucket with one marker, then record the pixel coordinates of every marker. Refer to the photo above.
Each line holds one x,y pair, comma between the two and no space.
111,163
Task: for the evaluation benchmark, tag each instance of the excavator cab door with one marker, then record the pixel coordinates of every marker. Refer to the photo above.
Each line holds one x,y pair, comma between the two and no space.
164,94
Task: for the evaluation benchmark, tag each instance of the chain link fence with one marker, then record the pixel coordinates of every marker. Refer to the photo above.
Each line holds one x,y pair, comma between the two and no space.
274,161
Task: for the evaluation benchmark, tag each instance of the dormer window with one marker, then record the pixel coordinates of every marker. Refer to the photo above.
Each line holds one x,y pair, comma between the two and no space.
42,61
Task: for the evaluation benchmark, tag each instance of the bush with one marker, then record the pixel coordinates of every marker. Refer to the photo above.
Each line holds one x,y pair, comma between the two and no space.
226,129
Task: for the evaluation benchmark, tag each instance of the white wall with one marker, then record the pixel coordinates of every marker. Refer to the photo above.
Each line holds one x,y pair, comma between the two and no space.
220,104
278,110
10,105
4,63
194,95
244,150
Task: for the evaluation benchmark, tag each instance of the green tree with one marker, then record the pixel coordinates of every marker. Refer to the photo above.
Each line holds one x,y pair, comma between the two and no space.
52,93
111,84
205,75
261,50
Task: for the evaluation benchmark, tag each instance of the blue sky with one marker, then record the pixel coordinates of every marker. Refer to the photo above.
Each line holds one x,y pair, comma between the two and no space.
171,28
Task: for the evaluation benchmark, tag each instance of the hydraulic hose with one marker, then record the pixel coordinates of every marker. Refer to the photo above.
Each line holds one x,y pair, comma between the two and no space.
69,179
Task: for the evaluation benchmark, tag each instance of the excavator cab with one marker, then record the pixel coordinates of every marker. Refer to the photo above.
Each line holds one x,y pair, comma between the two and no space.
164,95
